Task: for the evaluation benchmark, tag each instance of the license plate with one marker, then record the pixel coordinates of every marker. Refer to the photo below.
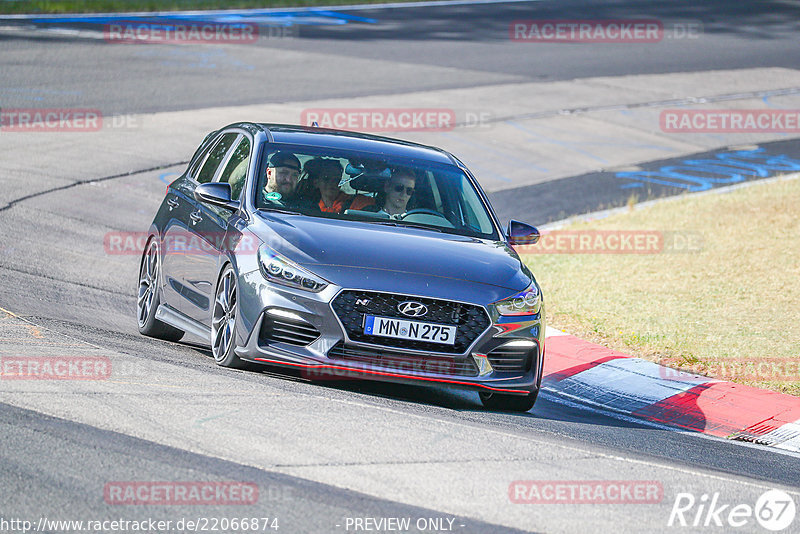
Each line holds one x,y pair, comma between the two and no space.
413,330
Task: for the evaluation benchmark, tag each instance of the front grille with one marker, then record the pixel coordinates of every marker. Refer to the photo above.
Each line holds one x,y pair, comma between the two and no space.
287,330
511,357
351,306
420,363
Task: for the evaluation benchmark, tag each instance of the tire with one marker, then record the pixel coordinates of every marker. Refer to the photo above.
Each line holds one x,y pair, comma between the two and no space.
223,321
149,296
508,403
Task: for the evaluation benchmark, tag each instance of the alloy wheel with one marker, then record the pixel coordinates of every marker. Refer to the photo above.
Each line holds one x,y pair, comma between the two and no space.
223,321
148,281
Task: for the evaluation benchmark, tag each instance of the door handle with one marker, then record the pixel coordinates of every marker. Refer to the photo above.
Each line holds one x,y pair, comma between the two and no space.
172,203
196,217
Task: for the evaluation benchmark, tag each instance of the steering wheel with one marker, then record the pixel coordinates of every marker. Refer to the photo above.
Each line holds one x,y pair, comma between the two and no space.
426,211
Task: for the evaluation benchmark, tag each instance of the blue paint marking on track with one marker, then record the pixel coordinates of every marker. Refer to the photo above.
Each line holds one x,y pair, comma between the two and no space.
726,168
311,17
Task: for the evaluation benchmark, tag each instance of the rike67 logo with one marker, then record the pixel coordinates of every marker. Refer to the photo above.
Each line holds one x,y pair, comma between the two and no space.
774,510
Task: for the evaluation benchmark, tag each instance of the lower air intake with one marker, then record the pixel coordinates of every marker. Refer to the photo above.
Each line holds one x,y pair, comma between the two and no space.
513,357
287,330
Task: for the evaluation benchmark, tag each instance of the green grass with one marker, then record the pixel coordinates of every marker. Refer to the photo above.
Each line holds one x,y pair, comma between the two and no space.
736,302
100,6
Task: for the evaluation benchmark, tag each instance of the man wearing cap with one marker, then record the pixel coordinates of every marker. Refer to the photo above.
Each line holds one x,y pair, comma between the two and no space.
283,172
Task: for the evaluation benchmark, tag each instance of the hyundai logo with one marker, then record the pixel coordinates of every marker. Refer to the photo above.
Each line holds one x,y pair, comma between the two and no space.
412,309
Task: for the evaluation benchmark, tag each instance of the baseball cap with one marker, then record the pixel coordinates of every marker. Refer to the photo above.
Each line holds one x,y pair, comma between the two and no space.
284,159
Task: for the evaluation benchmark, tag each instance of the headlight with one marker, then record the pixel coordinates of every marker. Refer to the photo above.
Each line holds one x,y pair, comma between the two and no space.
279,270
526,303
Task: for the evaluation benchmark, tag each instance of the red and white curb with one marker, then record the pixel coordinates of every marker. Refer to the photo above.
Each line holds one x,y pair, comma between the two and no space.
631,386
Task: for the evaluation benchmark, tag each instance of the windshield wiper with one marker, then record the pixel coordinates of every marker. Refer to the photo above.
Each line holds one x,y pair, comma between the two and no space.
282,210
411,224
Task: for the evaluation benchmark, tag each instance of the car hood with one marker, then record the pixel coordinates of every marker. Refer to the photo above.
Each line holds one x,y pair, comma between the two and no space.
327,245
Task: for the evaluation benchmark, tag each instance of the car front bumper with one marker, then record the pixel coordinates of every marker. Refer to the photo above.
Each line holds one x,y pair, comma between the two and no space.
297,329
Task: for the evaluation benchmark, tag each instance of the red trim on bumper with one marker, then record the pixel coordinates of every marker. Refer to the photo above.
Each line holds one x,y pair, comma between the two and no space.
394,375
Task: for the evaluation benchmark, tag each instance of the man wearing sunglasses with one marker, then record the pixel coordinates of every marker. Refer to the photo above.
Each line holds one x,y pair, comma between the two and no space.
398,191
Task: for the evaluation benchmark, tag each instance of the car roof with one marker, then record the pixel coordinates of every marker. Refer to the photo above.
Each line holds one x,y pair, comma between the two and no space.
361,142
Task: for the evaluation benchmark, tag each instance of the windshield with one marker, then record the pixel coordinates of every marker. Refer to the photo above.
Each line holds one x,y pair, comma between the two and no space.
371,188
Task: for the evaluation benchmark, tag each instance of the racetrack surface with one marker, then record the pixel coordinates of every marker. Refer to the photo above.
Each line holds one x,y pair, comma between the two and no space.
396,51
322,453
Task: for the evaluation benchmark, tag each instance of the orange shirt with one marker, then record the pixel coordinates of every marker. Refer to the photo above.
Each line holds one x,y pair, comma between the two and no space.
358,202
361,201
338,204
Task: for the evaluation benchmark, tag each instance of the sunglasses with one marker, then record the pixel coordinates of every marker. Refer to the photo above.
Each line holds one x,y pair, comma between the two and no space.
399,189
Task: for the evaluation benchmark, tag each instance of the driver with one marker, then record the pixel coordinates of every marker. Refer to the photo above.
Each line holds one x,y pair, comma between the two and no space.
397,191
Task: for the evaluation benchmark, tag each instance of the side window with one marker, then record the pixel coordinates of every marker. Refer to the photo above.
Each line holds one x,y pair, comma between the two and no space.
437,197
215,157
472,211
235,172
424,196
198,157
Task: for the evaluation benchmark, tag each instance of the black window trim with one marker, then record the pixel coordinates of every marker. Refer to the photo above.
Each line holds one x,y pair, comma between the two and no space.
201,157
211,146
229,155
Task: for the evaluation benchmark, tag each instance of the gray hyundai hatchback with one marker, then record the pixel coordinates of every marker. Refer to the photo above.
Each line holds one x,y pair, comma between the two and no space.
344,255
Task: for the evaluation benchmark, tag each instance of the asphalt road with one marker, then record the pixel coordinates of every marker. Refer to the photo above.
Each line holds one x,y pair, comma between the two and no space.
319,453
399,50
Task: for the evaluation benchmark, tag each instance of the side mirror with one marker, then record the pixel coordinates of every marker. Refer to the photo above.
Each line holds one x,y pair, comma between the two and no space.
520,233
216,194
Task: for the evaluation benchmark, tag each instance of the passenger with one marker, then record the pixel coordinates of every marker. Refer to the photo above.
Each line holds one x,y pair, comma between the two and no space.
397,191
283,176
325,175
